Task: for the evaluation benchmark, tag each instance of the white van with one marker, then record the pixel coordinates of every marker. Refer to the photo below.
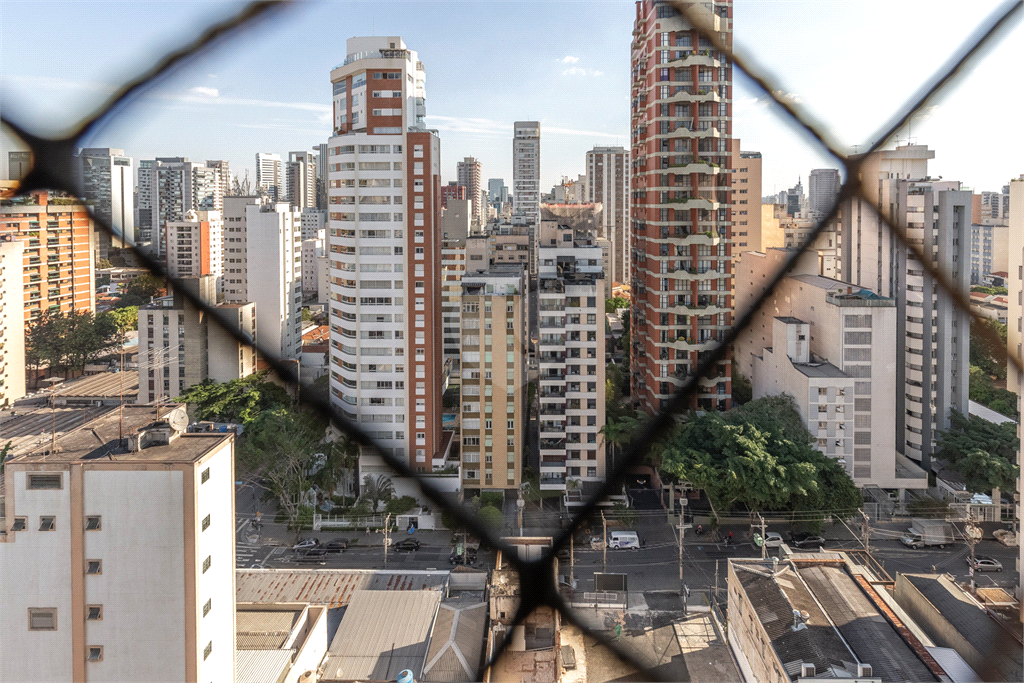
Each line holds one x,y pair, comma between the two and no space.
623,539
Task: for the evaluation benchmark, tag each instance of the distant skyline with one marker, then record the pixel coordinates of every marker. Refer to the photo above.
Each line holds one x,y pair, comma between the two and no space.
489,64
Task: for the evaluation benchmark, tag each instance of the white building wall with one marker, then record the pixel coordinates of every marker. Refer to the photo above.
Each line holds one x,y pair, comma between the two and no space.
12,322
312,249
274,251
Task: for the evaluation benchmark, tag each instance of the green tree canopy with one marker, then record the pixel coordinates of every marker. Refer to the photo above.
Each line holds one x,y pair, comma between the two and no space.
123,319
67,341
759,455
986,354
982,389
615,303
982,452
240,400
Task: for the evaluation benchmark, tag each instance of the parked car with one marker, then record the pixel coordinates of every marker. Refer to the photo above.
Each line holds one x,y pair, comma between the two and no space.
306,544
773,539
338,545
984,563
806,540
407,545
462,555
316,555
1006,537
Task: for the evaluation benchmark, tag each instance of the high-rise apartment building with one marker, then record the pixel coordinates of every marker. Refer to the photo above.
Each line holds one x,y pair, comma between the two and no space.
989,250
823,187
195,247
455,229
312,249
18,165
314,224
469,175
681,205
12,319
321,176
932,377
526,172
571,357
746,209
180,346
58,257
263,265
169,187
106,179
224,169
454,191
497,192
1014,327
270,175
104,594
607,183
384,238
300,180
493,378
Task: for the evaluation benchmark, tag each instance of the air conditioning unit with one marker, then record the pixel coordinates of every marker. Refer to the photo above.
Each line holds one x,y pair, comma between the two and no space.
806,670
864,671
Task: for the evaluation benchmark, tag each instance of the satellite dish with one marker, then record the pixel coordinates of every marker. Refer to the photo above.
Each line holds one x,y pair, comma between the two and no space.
178,419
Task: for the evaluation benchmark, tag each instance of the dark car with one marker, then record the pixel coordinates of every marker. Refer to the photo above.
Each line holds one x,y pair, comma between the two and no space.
338,545
461,555
317,555
407,545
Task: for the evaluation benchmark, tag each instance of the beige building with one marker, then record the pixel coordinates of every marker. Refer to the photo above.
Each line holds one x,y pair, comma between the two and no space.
123,554
746,211
455,230
180,346
607,183
12,321
1015,320
469,176
493,388
195,246
832,346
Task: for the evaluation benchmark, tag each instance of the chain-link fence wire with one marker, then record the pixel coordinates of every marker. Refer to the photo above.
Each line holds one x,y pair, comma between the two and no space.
53,169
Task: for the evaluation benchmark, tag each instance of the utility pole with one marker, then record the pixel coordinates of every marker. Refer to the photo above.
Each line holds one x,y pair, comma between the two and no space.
572,562
682,586
387,537
867,534
604,539
764,541
971,534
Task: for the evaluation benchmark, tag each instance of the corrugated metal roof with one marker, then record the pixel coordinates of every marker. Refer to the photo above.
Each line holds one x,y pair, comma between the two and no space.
865,629
382,633
261,666
264,629
103,385
954,665
329,587
456,643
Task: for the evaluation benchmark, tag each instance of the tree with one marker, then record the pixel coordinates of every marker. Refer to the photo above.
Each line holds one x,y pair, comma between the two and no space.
123,319
985,353
145,286
759,455
240,400
615,303
341,458
377,490
278,449
983,390
491,517
103,264
67,341
742,391
618,433
982,452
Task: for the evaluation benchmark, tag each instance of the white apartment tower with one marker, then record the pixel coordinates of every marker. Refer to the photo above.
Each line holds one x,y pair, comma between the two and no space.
385,246
300,180
195,246
493,378
107,180
823,187
469,172
101,593
932,378
168,188
526,172
571,357
12,320
607,183
270,175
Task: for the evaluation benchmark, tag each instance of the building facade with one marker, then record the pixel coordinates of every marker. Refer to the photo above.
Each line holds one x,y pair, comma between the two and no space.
270,175
681,205
168,188
107,180
470,176
607,183
300,180
100,592
989,250
58,256
823,187
453,191
195,247
526,172
455,230
1015,323
746,196
493,378
12,320
385,246
571,358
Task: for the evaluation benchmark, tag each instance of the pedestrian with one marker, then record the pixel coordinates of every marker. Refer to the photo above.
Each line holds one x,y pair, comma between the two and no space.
367,531
700,529
730,537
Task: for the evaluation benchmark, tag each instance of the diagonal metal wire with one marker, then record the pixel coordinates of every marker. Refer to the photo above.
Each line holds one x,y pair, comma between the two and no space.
54,169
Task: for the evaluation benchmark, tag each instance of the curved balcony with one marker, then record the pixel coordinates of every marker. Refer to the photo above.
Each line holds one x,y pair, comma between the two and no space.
703,94
701,58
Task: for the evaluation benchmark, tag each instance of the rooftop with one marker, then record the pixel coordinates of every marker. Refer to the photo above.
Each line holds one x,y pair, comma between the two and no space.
328,587
456,642
99,438
102,385
819,369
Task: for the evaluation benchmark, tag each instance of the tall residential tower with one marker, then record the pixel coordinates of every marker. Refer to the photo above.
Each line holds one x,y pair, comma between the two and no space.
607,183
681,211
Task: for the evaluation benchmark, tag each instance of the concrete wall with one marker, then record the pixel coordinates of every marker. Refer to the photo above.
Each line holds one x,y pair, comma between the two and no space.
747,638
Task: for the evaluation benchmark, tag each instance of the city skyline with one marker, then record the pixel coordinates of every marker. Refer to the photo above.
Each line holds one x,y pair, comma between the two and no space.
221,107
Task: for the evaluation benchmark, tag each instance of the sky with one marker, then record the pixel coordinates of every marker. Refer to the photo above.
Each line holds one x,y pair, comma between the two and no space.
852,63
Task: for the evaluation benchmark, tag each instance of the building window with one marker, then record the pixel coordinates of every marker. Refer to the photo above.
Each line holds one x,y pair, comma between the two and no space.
206,522
95,653
45,481
93,523
207,650
47,523
94,566
207,606
94,612
42,619
206,563
19,524
205,477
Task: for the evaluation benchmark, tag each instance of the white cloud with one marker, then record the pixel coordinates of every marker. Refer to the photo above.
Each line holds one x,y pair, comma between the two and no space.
575,71
569,59
208,92
597,73
203,95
